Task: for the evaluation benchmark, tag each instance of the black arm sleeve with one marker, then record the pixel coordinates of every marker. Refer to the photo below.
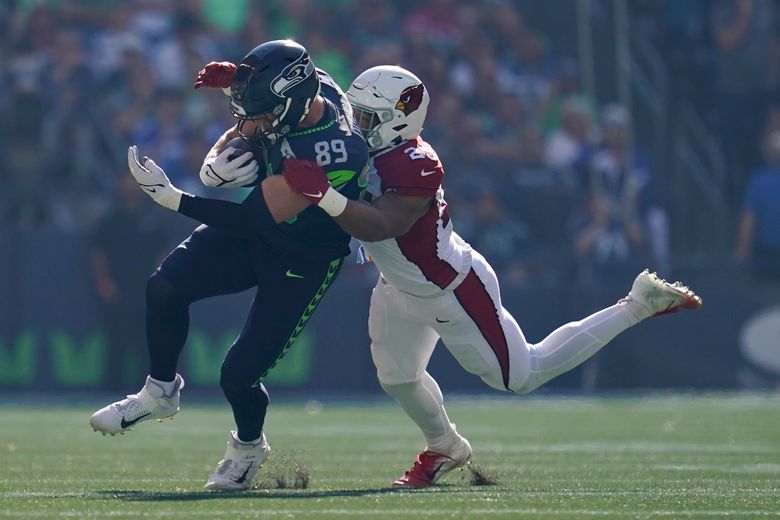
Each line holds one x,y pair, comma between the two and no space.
250,218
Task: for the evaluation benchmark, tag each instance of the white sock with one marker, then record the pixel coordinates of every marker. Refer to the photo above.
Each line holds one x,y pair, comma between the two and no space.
167,386
423,402
573,343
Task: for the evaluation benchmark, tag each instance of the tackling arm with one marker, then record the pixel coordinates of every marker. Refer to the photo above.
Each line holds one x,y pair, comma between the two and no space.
388,216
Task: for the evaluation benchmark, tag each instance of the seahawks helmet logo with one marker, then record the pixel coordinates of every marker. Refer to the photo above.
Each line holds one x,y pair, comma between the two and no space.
293,74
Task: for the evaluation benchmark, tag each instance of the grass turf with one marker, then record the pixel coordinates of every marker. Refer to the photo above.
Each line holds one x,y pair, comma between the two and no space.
667,456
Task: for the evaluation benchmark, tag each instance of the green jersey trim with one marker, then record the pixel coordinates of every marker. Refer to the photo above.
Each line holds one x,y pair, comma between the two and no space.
333,270
339,177
312,130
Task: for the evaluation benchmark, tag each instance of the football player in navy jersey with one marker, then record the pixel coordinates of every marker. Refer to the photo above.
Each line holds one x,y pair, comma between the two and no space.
274,240
433,285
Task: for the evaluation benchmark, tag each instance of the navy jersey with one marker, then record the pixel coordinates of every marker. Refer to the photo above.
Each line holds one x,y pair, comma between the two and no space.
336,144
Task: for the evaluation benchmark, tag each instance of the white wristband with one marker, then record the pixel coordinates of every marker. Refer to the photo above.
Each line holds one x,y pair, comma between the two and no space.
333,203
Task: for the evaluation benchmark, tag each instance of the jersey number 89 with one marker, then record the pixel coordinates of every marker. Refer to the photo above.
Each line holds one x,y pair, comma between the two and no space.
330,152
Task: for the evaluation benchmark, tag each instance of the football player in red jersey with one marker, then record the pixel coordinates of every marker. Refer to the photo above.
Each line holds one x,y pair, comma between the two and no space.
433,285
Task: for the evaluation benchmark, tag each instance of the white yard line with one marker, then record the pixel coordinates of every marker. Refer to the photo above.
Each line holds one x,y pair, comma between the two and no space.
368,513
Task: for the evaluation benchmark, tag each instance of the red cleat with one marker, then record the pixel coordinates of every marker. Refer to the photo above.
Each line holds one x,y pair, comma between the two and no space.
431,466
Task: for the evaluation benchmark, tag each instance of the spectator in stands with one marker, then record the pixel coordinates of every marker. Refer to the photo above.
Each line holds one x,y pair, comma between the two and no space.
511,139
163,132
69,130
375,24
505,240
745,34
607,243
435,20
610,235
567,147
565,89
758,241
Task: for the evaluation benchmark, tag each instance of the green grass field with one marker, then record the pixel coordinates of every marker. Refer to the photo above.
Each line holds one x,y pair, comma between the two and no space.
669,456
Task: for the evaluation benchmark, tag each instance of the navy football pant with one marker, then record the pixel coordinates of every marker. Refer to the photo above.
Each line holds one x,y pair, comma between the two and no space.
211,263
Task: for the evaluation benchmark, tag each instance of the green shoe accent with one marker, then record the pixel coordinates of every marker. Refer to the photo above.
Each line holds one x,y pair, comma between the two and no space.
290,274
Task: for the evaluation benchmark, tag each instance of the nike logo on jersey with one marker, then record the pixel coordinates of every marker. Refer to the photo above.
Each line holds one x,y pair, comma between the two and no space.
441,321
126,424
317,195
425,173
290,274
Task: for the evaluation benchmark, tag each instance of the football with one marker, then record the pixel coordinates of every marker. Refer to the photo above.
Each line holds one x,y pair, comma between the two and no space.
243,145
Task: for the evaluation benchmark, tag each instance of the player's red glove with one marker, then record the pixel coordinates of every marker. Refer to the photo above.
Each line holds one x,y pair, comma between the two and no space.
308,180
218,74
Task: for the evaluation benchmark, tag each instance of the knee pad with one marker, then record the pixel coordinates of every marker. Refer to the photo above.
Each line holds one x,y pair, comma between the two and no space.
162,294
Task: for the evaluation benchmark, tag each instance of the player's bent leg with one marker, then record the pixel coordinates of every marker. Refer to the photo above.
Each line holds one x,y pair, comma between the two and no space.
167,323
239,465
156,400
188,274
482,336
573,343
401,346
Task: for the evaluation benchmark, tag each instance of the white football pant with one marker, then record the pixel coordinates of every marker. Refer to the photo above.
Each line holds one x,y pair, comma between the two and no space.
482,336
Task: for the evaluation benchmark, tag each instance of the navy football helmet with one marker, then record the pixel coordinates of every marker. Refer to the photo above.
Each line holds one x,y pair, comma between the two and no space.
273,86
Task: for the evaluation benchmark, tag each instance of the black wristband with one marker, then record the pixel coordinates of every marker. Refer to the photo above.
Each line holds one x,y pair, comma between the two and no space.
250,218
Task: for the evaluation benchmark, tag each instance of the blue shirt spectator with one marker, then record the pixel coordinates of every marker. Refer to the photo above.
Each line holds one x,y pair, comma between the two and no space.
759,232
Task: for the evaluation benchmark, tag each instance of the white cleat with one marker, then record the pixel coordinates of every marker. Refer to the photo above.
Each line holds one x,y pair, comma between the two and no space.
654,296
238,467
151,402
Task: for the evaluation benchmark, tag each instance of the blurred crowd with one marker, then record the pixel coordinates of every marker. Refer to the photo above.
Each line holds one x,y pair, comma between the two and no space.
541,178
724,57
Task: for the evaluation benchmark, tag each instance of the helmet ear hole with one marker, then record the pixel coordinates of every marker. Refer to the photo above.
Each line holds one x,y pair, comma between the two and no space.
400,127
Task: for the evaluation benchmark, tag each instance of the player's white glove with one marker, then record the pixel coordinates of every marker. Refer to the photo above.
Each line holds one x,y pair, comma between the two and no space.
223,172
152,179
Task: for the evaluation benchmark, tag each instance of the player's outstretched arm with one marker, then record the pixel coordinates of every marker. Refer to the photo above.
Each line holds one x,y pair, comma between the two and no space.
389,216
259,212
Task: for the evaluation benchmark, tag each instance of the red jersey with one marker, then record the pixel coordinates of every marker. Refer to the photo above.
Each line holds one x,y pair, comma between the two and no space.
430,256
